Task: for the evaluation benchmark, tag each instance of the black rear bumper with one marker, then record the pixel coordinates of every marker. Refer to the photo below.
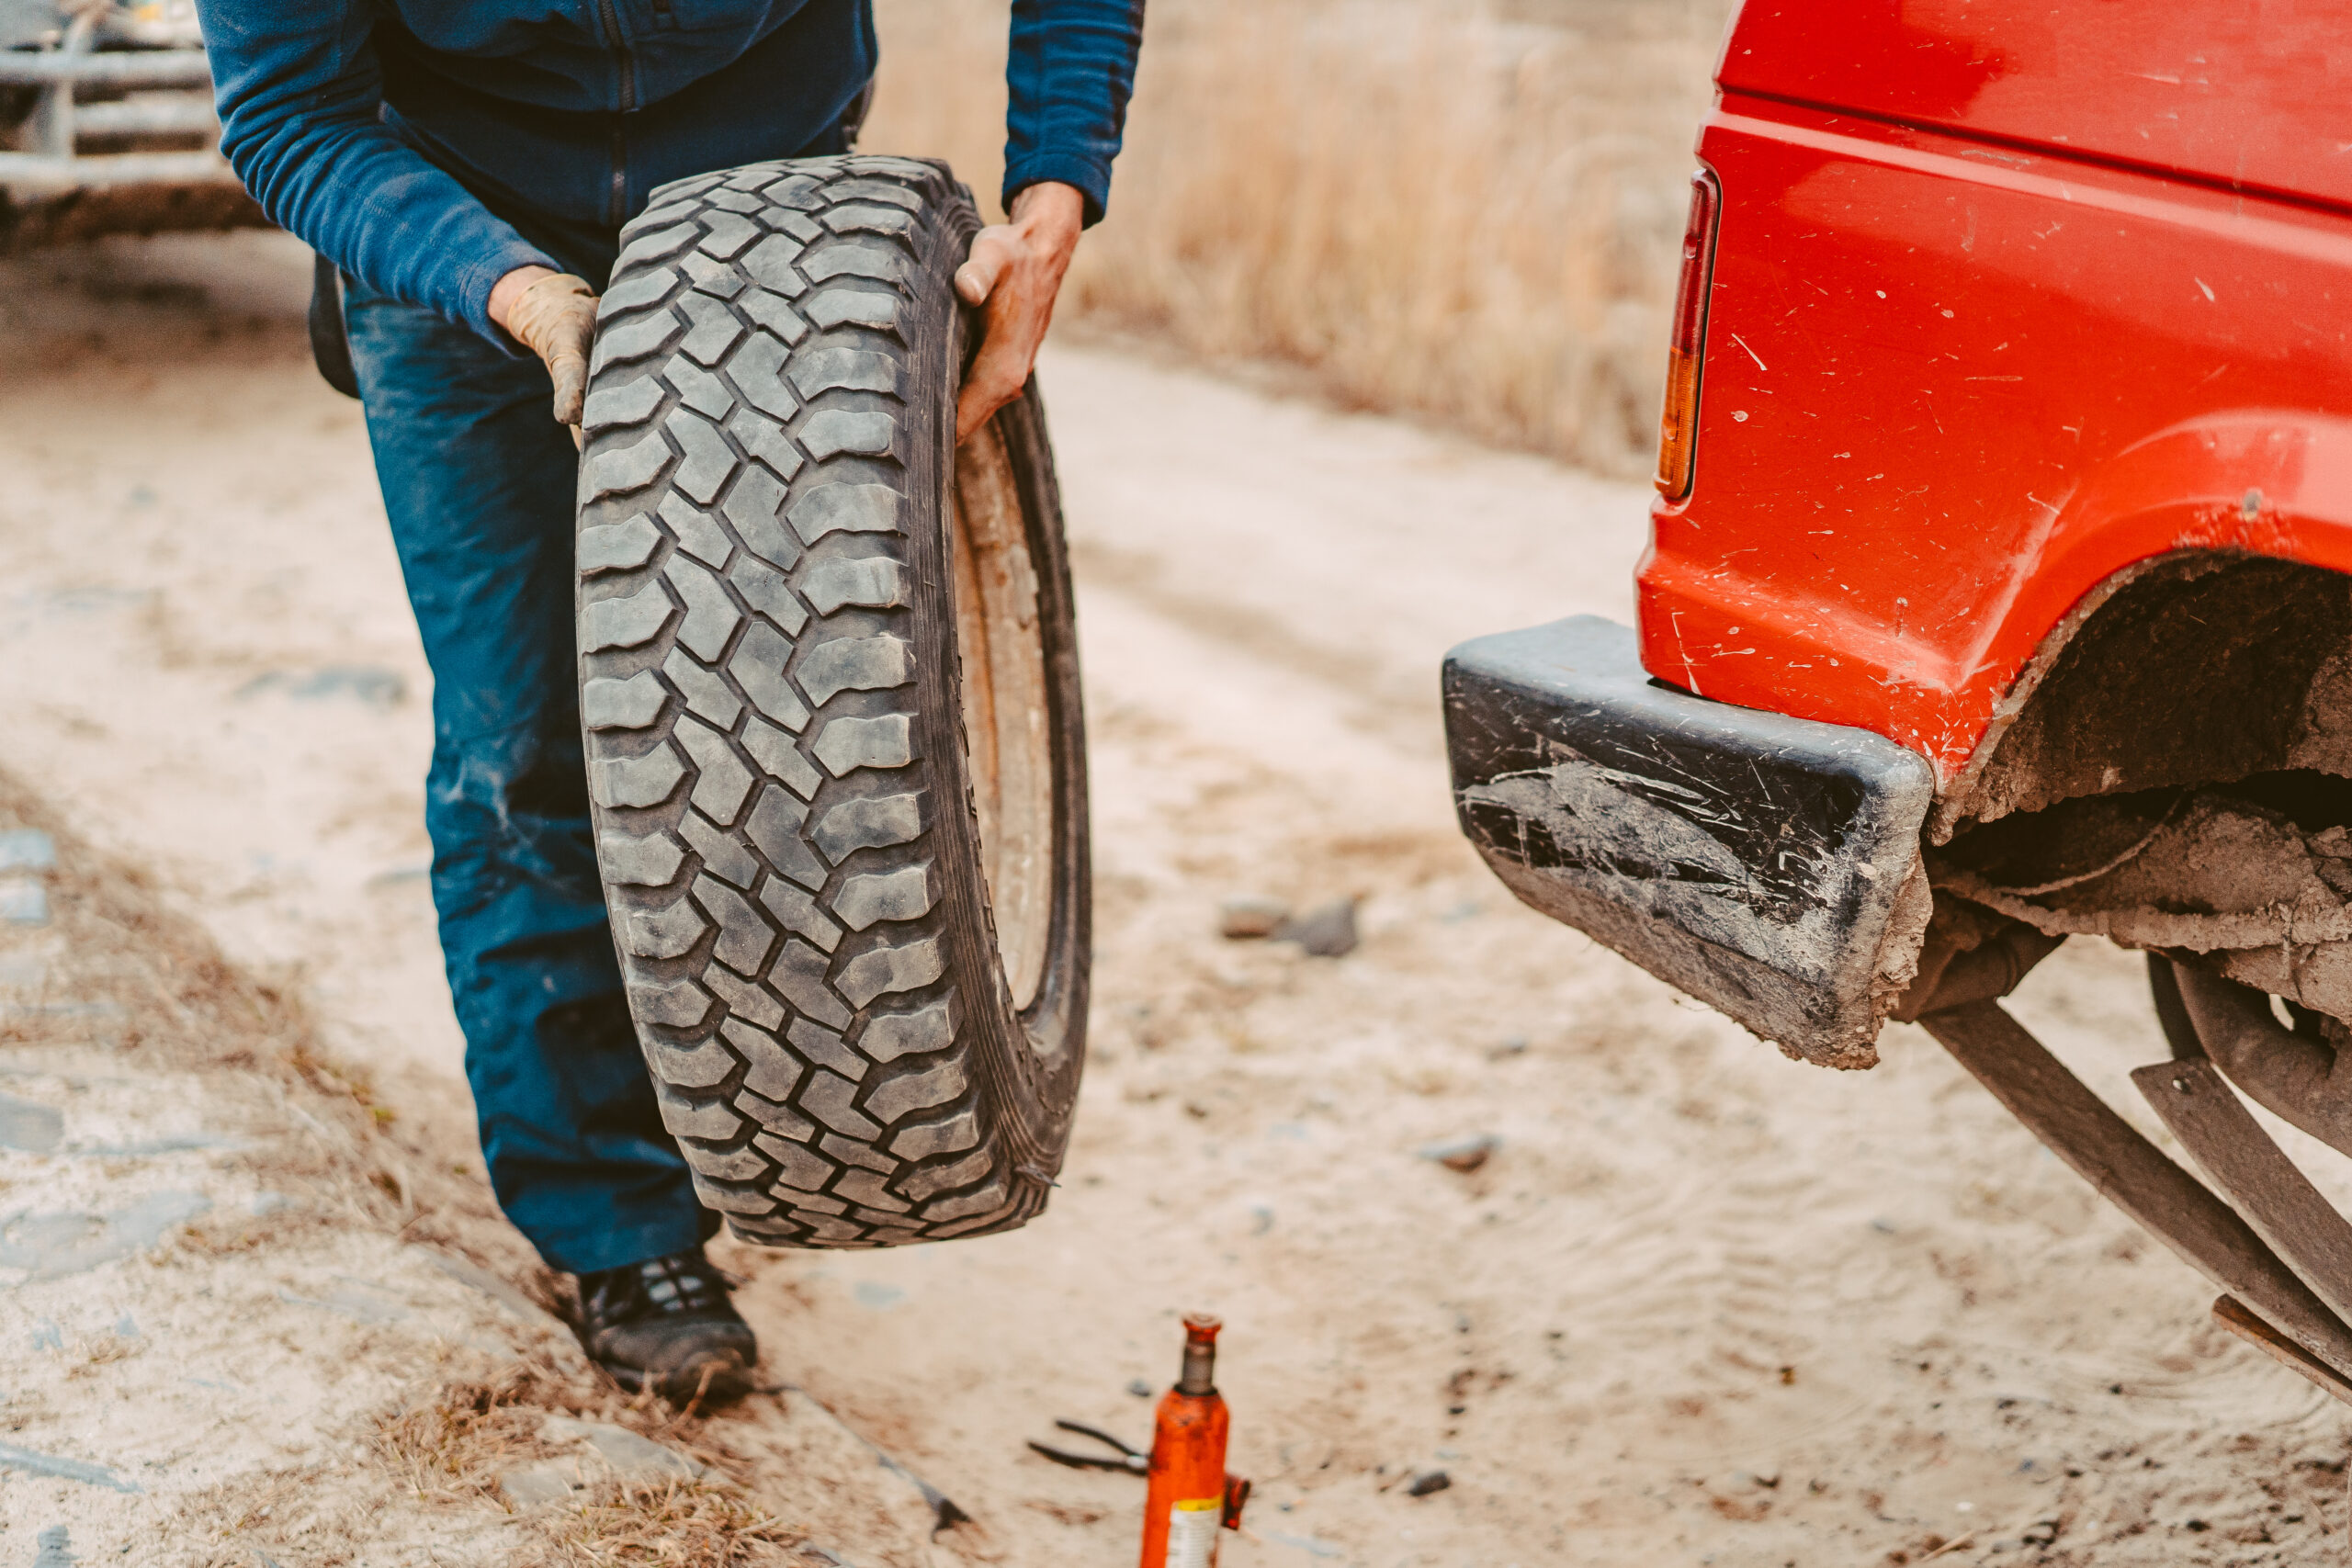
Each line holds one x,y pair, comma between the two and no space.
1765,865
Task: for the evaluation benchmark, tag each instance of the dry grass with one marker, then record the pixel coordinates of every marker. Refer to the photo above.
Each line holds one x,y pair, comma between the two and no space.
428,1468
138,978
1468,215
450,1444
471,1420
690,1524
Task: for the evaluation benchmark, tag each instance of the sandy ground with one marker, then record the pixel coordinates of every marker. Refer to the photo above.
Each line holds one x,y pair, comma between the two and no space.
1703,1305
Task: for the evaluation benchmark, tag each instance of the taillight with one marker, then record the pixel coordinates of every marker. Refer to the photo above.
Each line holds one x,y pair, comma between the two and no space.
1678,437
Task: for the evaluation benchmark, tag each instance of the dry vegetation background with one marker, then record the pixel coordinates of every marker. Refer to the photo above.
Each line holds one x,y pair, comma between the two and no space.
1466,213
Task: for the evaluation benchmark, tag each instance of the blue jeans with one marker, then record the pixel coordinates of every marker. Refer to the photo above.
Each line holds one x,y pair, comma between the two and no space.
478,480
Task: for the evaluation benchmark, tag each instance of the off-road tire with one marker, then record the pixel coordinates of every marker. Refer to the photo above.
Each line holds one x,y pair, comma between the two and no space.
771,555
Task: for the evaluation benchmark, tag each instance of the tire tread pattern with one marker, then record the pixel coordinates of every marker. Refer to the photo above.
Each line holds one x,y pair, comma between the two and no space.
767,823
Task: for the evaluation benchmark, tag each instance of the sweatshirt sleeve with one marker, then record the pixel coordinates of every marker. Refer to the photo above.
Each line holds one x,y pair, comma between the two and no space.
300,96
1069,73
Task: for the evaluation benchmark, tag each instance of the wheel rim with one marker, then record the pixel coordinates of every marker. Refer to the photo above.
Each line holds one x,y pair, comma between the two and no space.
1007,726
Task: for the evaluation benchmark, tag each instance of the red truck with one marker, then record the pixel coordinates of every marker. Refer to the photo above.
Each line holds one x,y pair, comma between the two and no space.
1996,589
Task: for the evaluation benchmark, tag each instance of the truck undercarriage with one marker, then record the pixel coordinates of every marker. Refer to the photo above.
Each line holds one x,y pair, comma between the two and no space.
2174,773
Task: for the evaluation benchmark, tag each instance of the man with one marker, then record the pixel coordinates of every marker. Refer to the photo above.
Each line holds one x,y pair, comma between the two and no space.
468,165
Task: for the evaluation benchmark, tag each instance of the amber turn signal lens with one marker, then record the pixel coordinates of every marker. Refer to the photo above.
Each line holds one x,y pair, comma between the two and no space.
1678,438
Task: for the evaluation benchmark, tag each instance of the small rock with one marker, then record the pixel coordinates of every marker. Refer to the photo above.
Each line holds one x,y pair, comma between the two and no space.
631,1457
261,1205
1464,1155
23,901
534,1485
1139,1388
1504,1050
469,1274
56,1549
639,1458
1427,1481
30,1127
27,849
1327,931
1250,915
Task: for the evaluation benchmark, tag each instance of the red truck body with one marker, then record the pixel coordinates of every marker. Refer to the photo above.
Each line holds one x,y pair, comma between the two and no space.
2006,477
1999,591
2006,295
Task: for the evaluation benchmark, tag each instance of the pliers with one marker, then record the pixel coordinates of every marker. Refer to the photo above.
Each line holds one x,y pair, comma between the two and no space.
1133,1460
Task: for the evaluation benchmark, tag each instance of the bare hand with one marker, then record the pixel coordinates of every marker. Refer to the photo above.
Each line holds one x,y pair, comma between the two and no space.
1015,269
553,315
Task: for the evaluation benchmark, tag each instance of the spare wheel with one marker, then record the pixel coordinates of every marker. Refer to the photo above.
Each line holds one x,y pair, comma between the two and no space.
829,690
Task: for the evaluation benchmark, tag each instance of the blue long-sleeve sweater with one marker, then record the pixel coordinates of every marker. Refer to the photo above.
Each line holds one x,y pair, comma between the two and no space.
413,142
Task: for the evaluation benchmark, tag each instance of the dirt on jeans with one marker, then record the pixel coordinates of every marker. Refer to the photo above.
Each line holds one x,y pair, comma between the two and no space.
1698,1304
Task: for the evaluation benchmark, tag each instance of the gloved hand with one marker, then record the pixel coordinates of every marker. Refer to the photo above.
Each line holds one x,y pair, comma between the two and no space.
1015,270
555,317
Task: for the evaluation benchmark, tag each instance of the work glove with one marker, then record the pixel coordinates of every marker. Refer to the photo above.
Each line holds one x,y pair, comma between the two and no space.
555,318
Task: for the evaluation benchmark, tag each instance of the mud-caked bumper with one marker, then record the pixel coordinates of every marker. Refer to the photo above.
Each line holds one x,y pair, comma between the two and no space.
1764,864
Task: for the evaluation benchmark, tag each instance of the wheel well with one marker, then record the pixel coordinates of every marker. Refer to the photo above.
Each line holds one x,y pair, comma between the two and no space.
2192,669
2174,773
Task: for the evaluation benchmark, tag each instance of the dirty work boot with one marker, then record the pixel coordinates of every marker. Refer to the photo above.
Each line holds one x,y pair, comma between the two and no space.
666,1324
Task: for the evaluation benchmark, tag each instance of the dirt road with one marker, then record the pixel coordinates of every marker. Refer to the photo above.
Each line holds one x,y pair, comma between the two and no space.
1701,1304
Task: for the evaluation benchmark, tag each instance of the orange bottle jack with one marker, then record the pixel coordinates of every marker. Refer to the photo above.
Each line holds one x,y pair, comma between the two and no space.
1186,1503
